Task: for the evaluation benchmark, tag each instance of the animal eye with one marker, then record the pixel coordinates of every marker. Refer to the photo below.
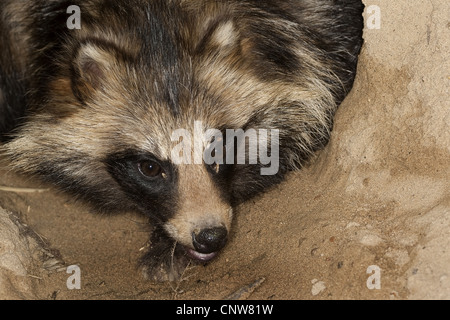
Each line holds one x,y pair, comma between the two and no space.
150,169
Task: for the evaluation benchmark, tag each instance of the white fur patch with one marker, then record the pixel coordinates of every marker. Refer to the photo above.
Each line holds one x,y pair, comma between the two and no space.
225,35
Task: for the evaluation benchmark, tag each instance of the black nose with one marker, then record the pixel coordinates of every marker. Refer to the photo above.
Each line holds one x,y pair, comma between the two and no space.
210,240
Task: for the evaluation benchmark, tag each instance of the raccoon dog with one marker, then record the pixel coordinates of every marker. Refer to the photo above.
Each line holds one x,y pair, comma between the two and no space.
94,109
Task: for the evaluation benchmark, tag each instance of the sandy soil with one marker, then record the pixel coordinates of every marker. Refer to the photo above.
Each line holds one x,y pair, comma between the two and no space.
378,195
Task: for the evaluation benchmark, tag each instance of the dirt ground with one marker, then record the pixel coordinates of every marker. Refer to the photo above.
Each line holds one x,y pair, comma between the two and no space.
371,209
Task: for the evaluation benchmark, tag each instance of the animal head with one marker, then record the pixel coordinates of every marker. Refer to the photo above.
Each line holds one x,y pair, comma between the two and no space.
129,106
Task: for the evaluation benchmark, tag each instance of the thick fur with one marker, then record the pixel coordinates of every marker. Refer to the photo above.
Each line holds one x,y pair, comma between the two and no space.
85,108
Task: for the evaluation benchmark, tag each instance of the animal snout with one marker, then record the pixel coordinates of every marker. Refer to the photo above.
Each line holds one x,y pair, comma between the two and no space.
210,240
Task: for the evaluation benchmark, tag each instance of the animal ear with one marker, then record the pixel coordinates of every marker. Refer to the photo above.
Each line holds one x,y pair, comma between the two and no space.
218,34
91,66
224,34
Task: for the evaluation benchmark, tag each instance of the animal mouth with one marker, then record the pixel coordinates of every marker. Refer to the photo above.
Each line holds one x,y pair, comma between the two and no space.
201,257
